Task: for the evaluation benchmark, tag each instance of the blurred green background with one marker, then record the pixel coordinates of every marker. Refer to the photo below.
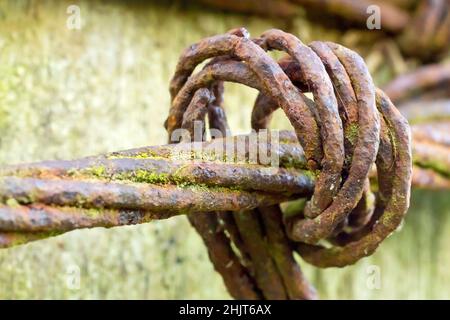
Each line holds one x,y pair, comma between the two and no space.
71,93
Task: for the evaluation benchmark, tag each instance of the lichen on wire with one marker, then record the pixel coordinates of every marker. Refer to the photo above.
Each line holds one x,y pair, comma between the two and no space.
349,126
347,138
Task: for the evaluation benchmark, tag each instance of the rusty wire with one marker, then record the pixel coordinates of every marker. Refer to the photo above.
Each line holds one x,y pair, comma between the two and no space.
423,96
427,83
349,126
325,67
421,27
86,185
348,137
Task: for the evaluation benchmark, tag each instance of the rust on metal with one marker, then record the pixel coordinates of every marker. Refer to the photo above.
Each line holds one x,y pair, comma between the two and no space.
350,157
320,130
421,28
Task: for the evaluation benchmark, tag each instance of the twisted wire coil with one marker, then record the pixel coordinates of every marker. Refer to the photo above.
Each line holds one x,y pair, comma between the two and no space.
346,128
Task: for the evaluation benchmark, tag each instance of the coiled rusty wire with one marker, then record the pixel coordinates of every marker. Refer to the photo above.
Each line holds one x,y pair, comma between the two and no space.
348,127
340,134
422,27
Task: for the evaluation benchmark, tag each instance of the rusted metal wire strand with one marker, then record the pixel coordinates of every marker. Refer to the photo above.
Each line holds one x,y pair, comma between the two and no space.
326,53
241,228
426,79
316,78
395,19
348,133
427,34
196,176
236,278
248,75
185,90
262,66
421,28
332,202
206,227
297,286
393,198
244,49
266,273
37,221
